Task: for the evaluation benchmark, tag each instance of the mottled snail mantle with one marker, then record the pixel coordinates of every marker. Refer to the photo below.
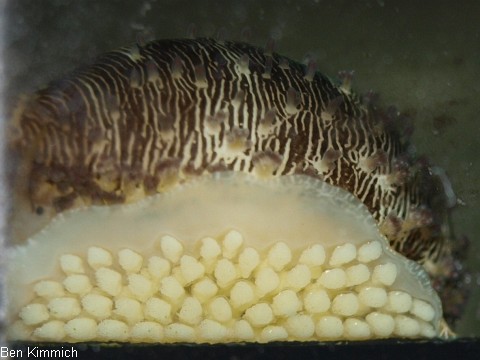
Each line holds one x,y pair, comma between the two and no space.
162,118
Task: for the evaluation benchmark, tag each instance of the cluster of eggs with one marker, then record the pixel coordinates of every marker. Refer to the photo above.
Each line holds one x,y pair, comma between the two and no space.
225,292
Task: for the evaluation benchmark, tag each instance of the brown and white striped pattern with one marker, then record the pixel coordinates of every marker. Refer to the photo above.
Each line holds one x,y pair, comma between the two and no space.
144,117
